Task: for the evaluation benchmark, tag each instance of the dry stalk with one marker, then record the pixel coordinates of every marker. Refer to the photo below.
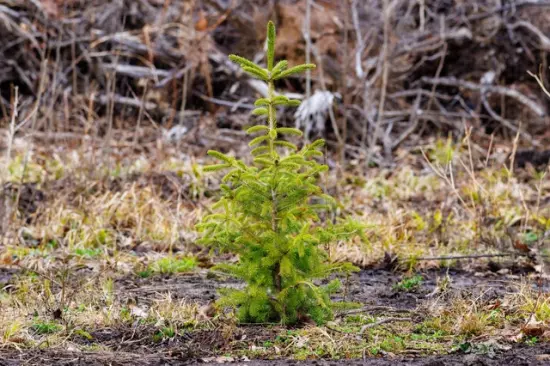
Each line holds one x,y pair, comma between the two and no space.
449,180
387,11
13,124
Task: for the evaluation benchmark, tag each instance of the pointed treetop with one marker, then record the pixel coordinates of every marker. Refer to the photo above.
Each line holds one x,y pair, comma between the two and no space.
270,45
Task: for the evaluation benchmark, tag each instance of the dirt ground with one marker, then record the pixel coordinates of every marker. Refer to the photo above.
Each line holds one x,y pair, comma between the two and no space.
374,288
521,356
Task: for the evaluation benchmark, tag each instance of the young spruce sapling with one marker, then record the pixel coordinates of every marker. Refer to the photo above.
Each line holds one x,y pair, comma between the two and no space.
268,215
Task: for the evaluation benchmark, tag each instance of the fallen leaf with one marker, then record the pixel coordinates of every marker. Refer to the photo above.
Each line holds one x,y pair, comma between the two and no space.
73,348
534,328
494,305
522,247
206,312
255,348
517,337
50,7
17,339
503,271
301,342
7,259
219,359
202,24
138,312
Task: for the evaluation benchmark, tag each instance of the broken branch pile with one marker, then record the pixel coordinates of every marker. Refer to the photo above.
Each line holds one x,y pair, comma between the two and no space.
399,69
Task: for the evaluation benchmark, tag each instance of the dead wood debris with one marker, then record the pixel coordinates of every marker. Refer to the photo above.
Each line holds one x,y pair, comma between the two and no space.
413,67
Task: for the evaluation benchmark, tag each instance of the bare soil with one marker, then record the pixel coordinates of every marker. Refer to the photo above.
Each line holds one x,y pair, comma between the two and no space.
135,345
520,356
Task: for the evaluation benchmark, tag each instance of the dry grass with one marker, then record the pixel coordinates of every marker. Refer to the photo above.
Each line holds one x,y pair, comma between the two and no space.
68,263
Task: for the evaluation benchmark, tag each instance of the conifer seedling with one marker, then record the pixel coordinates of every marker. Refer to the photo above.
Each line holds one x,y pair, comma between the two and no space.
268,216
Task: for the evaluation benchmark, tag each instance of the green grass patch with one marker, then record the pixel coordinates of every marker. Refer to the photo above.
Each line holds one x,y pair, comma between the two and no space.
409,284
170,265
164,333
88,252
45,327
